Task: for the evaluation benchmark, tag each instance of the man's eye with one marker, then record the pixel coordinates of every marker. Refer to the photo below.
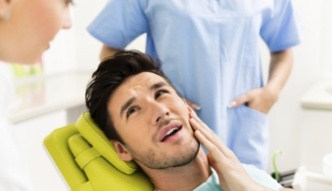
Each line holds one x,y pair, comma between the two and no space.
160,92
131,111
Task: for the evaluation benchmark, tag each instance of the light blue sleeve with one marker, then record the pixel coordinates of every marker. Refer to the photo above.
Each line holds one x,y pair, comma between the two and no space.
280,28
120,22
211,184
262,177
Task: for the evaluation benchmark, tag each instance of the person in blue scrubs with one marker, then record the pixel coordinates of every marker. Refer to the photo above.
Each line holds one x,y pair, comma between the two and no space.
210,52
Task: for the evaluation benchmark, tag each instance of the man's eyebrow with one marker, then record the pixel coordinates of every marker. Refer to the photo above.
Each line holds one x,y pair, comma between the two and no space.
126,105
131,100
157,85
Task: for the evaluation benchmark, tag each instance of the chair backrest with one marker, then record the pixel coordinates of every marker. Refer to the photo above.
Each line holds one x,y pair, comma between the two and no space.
88,162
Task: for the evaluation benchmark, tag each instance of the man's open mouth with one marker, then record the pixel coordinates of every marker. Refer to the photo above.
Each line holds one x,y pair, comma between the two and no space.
171,129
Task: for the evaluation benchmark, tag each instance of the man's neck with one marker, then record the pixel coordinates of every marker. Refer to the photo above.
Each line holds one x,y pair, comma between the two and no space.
186,177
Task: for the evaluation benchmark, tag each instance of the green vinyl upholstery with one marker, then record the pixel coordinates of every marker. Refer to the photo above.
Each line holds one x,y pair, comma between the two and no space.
88,162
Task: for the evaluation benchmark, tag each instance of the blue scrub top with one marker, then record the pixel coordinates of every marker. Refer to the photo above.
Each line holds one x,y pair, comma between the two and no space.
210,51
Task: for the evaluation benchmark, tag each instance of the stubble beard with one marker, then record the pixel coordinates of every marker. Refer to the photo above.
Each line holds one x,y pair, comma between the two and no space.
151,160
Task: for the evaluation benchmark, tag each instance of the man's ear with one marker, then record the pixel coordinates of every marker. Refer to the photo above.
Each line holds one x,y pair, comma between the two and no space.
122,151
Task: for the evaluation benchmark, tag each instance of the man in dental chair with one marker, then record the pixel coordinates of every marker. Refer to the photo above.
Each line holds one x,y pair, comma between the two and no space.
148,122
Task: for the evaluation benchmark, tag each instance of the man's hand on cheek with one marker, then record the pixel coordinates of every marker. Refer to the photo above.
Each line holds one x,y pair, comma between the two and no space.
232,175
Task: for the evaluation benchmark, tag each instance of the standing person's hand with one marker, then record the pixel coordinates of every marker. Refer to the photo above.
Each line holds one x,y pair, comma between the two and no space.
261,99
232,175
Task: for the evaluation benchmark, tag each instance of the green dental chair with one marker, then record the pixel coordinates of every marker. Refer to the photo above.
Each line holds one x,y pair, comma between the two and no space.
88,162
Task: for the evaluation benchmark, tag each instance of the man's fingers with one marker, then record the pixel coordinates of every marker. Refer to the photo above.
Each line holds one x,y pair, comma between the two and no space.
209,138
200,122
208,134
210,146
206,131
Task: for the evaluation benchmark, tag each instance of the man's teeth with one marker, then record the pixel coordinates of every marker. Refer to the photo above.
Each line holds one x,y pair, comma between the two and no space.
171,131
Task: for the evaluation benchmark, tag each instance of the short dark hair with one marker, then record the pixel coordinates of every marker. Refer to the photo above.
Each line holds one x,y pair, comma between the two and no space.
110,74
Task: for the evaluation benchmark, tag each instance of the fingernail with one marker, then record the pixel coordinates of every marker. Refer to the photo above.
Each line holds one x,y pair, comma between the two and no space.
196,107
232,104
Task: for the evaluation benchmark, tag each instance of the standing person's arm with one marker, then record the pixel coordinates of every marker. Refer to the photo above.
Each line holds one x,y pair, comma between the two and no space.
262,99
118,24
280,68
280,32
107,51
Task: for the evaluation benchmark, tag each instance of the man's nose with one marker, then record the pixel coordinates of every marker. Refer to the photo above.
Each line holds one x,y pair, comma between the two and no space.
160,112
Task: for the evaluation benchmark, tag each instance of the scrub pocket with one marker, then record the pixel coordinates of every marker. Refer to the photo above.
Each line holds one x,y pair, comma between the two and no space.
253,114
250,135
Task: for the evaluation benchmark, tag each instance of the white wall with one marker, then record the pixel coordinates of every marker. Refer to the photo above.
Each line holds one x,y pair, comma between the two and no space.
299,133
304,135
87,48
30,136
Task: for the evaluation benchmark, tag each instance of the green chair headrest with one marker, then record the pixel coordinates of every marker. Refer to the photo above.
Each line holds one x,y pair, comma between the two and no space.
99,141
